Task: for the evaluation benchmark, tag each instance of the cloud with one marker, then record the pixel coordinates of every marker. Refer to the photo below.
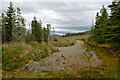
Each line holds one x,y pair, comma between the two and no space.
68,15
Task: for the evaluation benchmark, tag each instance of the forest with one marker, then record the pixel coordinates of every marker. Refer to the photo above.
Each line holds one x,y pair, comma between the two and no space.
14,28
38,53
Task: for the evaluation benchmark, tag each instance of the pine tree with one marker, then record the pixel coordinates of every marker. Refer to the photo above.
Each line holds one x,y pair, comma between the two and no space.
36,30
9,24
112,31
114,19
39,32
107,30
20,24
45,35
23,30
101,23
97,23
33,25
103,17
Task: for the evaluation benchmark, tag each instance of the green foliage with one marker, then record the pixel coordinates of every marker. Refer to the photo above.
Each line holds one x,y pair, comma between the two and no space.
13,25
55,39
20,30
72,43
101,22
62,55
28,36
114,19
36,30
65,75
60,44
9,18
112,35
107,30
81,72
10,58
38,33
14,56
76,34
45,35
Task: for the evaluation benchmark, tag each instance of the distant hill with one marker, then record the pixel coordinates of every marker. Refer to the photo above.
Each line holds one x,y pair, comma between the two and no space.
77,34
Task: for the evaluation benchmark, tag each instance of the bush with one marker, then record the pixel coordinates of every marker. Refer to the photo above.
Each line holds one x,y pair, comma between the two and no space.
72,43
10,57
12,54
55,39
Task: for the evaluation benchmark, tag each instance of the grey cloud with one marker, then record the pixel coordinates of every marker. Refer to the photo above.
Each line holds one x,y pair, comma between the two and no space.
71,13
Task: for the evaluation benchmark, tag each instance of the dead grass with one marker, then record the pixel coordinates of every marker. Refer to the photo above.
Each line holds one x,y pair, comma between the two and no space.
26,48
109,69
68,41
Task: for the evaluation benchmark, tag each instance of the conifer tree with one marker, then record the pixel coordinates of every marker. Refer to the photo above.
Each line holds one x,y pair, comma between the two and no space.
101,22
114,19
39,32
9,22
36,30
23,29
112,31
45,35
20,24
107,30
103,17
97,21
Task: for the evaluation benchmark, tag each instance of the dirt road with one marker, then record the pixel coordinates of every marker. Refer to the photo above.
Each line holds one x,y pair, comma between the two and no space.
73,57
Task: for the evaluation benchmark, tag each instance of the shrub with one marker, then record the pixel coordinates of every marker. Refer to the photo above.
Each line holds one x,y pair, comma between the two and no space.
55,39
11,58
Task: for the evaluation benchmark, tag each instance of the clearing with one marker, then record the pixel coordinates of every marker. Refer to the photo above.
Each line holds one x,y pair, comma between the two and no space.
73,57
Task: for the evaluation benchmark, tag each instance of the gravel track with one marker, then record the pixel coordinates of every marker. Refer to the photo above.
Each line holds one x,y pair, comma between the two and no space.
73,57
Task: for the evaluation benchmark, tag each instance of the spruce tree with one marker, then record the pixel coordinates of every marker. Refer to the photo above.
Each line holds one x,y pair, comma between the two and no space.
33,25
112,31
103,17
114,19
36,30
97,23
20,24
100,26
9,22
39,32
23,30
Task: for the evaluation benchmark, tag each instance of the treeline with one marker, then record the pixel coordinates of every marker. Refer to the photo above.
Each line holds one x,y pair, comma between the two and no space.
107,27
14,28
38,33
77,34
13,25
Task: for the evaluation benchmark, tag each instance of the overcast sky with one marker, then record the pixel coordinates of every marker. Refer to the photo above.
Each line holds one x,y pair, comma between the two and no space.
66,16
